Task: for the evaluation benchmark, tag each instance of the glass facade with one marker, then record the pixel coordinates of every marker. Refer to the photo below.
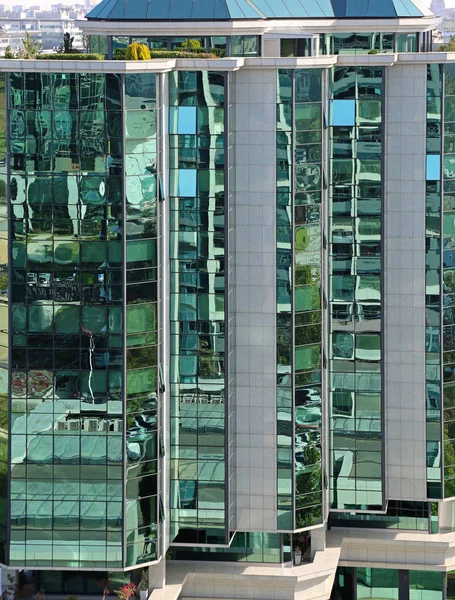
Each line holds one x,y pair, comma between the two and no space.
433,281
373,43
355,251
99,44
256,547
284,281
400,515
67,320
379,584
356,43
448,281
81,185
299,312
450,585
4,323
198,315
83,386
141,230
426,585
234,45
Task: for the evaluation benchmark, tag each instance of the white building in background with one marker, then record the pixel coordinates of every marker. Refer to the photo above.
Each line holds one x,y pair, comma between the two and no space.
49,28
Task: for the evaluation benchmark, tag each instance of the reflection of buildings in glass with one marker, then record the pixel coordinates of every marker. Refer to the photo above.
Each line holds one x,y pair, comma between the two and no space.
205,279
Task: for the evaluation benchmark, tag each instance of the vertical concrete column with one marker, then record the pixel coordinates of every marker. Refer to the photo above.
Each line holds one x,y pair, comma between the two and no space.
404,284
254,199
157,576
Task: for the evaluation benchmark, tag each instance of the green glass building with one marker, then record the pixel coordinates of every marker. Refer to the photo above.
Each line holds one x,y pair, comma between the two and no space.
226,359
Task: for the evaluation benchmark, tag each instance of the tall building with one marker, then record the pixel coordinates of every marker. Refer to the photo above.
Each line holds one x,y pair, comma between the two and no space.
438,7
227,305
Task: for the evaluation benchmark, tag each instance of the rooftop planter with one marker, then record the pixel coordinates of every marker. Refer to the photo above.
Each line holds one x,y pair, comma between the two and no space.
70,57
137,51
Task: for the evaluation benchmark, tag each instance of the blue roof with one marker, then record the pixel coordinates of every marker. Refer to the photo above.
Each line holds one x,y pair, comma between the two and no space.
199,10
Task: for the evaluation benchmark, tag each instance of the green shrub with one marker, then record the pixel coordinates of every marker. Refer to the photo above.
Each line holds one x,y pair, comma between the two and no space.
120,54
137,51
126,54
179,54
192,46
9,52
373,51
218,52
143,52
70,57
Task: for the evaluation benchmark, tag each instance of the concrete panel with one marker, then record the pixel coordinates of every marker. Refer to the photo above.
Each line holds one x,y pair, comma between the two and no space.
404,284
253,248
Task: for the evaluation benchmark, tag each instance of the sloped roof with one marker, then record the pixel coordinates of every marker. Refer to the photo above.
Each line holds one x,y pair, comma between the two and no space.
213,10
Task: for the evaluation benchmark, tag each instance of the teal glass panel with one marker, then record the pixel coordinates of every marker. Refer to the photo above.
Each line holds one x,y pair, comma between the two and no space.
426,585
343,113
143,401
187,183
67,305
433,167
299,290
355,356
198,316
377,583
183,120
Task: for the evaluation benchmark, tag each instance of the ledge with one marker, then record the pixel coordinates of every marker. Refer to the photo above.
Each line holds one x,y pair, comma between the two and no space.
254,26
156,65
164,65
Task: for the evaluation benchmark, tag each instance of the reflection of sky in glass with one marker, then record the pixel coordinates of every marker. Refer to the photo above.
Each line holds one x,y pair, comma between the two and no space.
187,182
433,167
183,120
343,113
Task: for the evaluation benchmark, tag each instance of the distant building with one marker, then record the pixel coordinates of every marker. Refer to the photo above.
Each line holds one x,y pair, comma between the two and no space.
438,7
48,27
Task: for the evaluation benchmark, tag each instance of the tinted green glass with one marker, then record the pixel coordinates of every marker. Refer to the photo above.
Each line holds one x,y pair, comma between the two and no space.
299,290
66,309
377,583
355,286
198,317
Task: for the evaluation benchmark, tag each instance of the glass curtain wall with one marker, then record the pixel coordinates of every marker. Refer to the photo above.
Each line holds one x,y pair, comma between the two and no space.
299,316
433,282
236,45
4,325
67,320
355,289
356,43
198,315
448,283
255,547
141,318
400,515
284,281
378,584
426,585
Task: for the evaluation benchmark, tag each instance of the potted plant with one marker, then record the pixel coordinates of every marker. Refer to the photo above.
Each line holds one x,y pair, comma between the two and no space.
297,555
11,591
144,584
126,592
